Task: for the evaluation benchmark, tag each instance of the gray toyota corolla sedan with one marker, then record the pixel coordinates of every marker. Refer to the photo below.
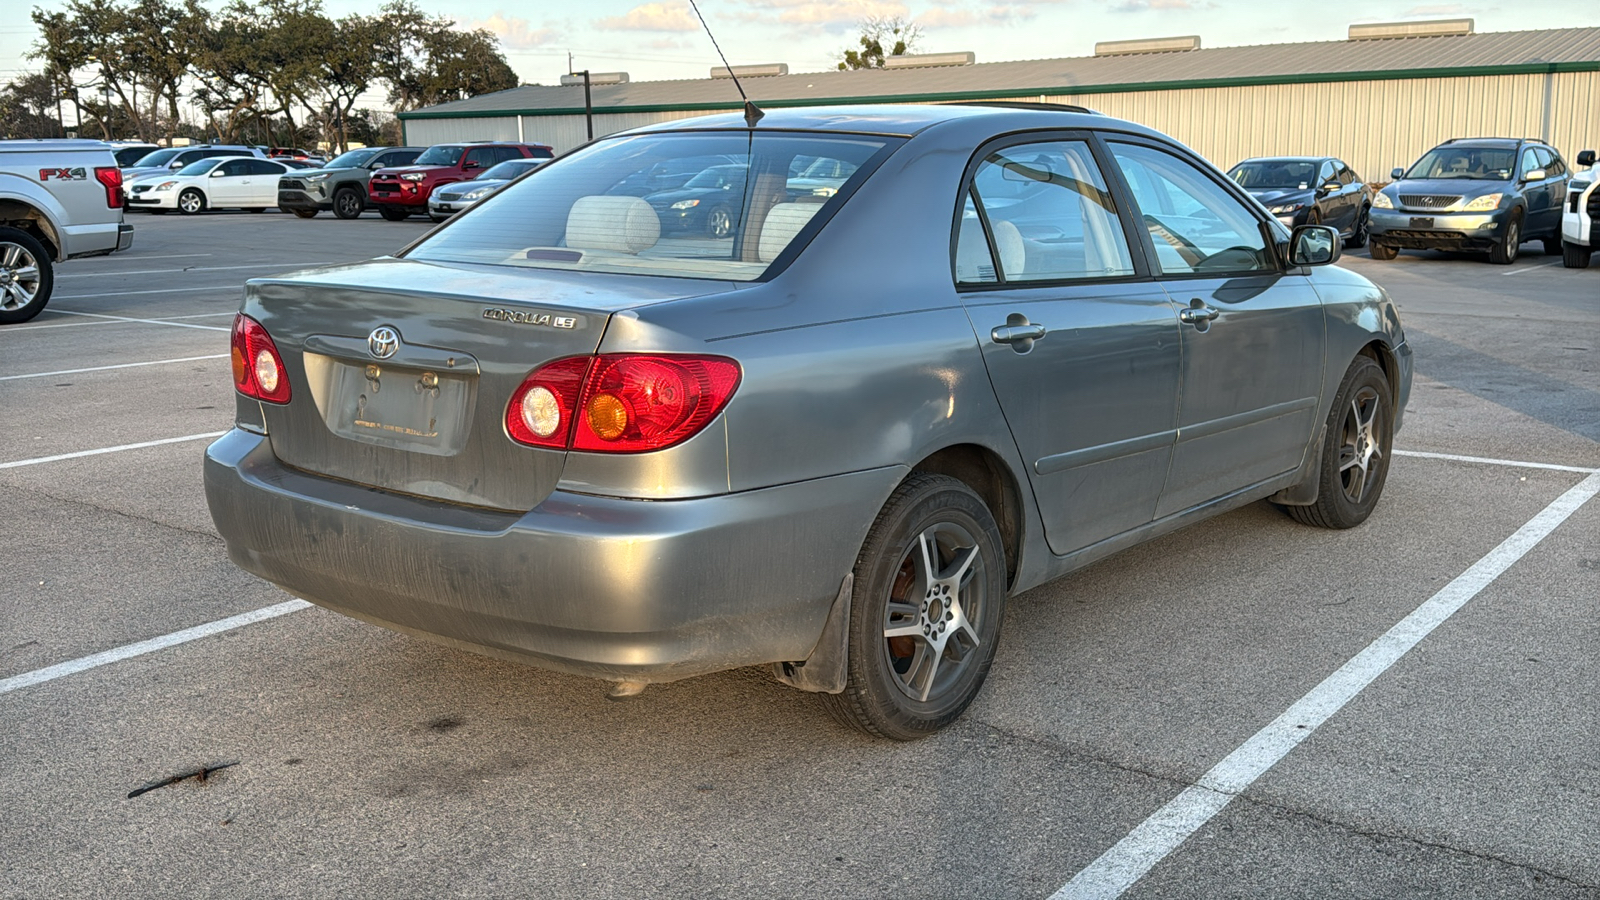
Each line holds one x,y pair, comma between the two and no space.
836,440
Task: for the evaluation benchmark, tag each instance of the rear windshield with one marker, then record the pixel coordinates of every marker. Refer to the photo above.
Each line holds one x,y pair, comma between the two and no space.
1275,174
1470,163
158,158
633,205
443,155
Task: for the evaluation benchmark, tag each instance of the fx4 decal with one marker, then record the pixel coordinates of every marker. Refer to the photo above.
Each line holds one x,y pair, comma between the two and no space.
78,174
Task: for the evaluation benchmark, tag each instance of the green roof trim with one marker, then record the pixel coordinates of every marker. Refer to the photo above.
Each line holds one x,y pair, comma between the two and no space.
1059,90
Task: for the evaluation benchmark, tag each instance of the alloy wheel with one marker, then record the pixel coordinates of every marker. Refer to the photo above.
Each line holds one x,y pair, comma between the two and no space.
1361,447
936,605
19,276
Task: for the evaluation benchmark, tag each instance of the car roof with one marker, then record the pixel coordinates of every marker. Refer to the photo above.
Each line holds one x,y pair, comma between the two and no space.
1491,142
898,120
1282,159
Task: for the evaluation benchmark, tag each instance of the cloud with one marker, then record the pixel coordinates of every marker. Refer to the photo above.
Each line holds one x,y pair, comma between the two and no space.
669,44
515,33
1438,9
948,17
1151,5
826,13
653,17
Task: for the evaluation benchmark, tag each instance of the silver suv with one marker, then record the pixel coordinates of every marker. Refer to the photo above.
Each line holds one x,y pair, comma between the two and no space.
1473,194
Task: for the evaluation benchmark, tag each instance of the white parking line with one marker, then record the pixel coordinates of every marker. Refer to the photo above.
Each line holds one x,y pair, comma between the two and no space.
1513,463
288,265
73,312
1526,269
1158,836
214,287
163,256
153,362
17,464
162,321
128,651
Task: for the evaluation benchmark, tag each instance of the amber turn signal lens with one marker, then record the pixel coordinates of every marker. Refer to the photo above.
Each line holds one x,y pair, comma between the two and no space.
239,373
608,416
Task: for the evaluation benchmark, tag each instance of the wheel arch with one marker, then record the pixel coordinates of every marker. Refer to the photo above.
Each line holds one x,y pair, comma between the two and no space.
27,217
986,473
1381,353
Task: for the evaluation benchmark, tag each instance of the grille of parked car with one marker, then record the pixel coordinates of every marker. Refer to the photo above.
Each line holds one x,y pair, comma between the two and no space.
1594,204
293,184
1429,201
449,196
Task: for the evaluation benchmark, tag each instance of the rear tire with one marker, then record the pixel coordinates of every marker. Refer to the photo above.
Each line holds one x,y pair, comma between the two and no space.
1505,252
1552,246
1356,447
306,213
925,612
1575,256
1382,251
394,214
436,219
348,203
255,209
1358,238
26,276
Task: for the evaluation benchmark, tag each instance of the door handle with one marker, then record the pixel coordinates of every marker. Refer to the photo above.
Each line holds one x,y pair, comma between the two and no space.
1018,332
1198,314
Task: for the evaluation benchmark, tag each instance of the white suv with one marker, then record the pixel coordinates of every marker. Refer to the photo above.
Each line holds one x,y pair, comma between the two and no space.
1578,217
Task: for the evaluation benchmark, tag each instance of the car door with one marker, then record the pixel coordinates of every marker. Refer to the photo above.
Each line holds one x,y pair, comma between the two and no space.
1252,332
225,186
1551,190
259,189
1347,199
1081,345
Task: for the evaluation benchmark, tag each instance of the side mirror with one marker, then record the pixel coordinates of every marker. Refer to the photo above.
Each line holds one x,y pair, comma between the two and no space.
1314,245
1396,173
469,165
175,166
1535,175
217,172
1331,186
1586,157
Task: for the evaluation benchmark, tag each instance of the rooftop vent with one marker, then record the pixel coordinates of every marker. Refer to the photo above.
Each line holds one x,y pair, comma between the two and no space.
1148,45
1427,28
929,60
750,71
596,78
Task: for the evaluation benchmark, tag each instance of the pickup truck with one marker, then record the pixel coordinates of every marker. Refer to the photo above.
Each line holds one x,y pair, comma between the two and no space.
59,200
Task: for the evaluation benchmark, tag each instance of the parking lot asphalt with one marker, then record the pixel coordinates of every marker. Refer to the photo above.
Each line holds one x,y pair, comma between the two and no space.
340,759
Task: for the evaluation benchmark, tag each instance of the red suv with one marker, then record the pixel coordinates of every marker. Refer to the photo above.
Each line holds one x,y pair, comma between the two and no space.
403,190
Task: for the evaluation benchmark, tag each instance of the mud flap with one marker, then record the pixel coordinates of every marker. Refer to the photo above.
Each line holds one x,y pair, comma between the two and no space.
826,670
1304,490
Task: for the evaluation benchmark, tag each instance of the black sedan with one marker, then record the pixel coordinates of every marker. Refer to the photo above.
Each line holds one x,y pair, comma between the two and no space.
1309,190
709,202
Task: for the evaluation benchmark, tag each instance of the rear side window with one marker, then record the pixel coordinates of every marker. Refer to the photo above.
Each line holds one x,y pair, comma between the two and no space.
626,205
1195,225
262,167
1045,211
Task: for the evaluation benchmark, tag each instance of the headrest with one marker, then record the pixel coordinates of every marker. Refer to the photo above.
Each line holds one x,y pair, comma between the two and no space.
1013,253
972,251
622,224
783,222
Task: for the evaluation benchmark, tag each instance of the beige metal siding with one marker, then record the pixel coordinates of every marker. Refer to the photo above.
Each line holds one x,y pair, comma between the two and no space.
427,132
566,132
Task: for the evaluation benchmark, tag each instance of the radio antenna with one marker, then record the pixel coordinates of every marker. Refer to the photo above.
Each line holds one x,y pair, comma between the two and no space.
752,113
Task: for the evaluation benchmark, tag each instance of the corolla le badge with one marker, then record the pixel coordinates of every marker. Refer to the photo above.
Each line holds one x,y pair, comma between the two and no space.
383,342
522,317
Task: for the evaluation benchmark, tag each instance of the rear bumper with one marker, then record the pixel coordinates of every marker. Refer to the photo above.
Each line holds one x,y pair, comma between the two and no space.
596,586
124,236
1421,231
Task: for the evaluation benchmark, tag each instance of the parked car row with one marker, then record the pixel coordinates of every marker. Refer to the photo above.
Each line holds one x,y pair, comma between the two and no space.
1485,195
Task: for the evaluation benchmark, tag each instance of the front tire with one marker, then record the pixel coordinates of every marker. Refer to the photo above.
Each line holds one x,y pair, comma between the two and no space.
191,202
306,213
1575,256
348,203
26,276
1356,447
394,214
719,222
1382,251
925,614
1505,252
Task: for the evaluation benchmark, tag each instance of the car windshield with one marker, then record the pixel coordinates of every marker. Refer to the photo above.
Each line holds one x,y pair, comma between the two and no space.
158,158
1274,174
442,155
351,159
614,207
508,170
1473,163
198,167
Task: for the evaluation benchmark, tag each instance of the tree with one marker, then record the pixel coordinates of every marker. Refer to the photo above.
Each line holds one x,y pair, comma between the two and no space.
902,37
28,107
426,61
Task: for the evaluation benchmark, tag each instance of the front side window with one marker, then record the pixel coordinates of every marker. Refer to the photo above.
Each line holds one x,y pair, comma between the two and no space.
1195,225
236,167
442,155
1047,210
620,205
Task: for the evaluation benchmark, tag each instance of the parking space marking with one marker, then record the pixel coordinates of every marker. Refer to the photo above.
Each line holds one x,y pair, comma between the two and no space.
1526,269
177,271
162,321
17,464
1511,463
128,651
163,256
214,287
174,324
1165,831
153,362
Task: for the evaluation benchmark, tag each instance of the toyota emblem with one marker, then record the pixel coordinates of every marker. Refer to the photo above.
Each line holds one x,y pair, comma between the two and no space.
383,342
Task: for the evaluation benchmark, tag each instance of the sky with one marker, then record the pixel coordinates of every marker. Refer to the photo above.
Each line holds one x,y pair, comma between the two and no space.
661,39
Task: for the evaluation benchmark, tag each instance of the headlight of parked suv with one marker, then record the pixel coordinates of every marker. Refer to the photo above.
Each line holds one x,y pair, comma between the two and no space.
1380,200
413,176
1287,208
318,176
1484,203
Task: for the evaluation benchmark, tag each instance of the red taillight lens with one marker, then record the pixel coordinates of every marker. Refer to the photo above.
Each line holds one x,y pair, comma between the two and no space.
620,402
257,367
111,177
541,410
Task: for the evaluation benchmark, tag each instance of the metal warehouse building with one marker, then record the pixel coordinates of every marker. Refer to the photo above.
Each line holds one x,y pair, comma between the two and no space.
1378,99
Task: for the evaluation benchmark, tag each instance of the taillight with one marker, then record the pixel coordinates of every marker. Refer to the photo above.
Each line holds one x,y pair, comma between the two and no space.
111,177
620,402
257,367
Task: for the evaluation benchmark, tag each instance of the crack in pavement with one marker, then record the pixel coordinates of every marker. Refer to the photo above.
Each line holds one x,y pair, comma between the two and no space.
209,535
1061,749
